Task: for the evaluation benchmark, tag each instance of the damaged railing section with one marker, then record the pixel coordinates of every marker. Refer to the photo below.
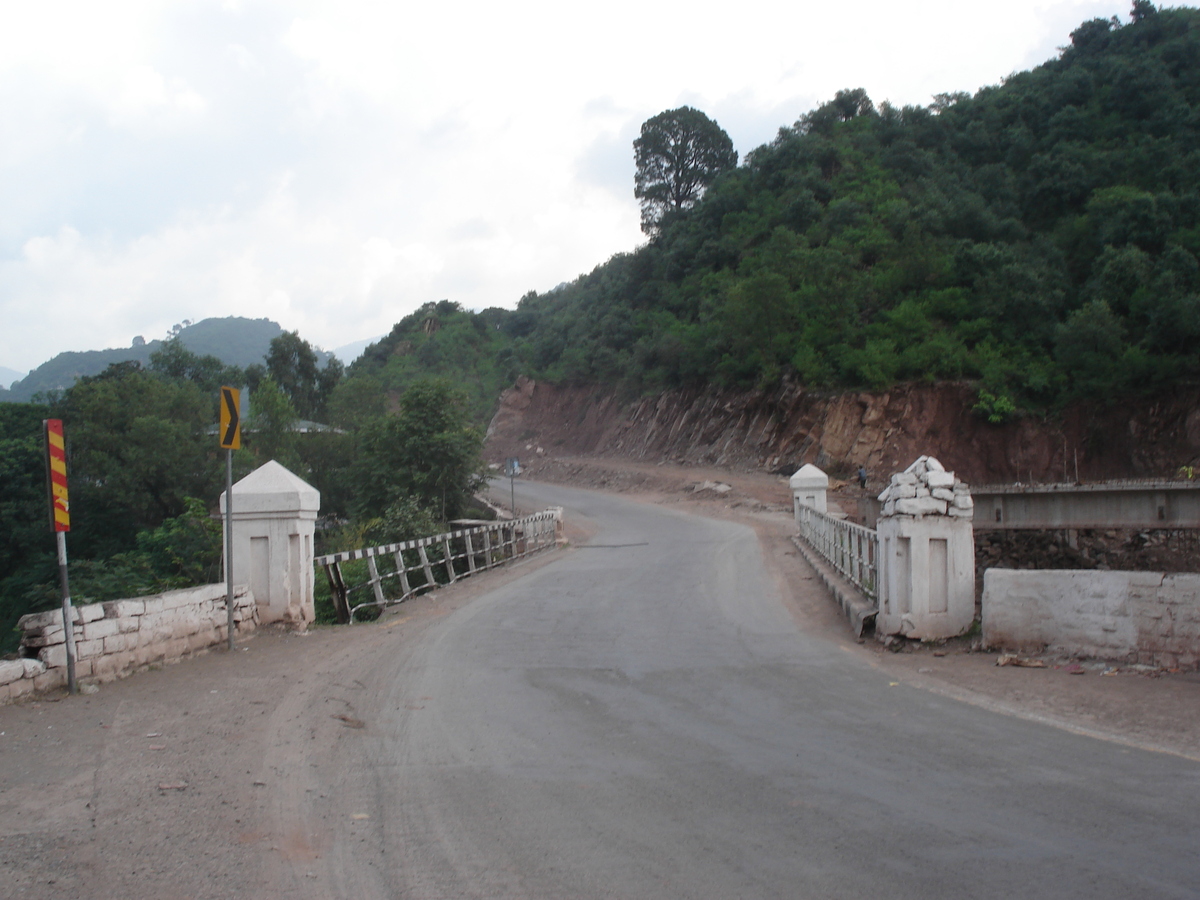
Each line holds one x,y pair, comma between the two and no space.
422,564
852,549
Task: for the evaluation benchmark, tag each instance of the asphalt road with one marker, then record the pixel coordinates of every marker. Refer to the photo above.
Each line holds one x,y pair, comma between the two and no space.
642,718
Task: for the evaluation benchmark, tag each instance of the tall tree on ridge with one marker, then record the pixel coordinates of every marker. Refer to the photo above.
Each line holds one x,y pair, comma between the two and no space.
678,155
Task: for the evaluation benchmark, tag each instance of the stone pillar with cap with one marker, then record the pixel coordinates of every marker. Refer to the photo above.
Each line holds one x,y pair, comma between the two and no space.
274,517
809,486
926,554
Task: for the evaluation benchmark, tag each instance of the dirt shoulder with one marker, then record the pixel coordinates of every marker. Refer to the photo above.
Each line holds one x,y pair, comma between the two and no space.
183,781
1151,709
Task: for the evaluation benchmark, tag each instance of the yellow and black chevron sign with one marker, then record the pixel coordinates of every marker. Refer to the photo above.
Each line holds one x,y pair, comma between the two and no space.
231,419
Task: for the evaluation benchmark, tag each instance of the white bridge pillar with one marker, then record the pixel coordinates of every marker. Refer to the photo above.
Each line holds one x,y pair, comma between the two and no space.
809,486
926,554
274,517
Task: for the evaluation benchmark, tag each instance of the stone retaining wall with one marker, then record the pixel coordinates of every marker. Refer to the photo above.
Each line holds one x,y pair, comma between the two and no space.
1134,617
116,638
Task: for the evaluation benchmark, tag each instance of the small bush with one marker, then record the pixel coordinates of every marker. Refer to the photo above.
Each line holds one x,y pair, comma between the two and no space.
996,408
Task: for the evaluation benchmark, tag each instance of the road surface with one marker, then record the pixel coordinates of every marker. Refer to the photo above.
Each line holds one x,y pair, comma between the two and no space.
643,718
639,716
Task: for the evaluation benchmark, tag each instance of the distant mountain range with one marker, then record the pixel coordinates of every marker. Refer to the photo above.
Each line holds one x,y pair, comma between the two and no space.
348,353
234,340
8,376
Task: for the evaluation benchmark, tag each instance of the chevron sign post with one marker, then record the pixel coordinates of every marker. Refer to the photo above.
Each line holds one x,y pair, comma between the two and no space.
230,434
60,521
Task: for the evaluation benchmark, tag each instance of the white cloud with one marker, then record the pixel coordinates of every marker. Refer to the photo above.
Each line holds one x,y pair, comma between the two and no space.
335,165
144,92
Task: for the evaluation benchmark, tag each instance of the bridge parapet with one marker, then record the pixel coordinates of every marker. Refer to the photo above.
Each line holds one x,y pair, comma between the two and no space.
416,564
918,568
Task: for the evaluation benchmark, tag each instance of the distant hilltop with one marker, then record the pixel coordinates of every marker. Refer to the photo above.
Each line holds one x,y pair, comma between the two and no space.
8,376
234,340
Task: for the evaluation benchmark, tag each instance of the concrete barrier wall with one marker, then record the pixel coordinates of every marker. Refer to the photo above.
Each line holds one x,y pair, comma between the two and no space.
116,638
1133,617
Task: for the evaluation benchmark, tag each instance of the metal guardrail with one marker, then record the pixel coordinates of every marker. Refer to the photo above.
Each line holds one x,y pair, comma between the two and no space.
1145,504
425,563
852,549
1072,487
1113,504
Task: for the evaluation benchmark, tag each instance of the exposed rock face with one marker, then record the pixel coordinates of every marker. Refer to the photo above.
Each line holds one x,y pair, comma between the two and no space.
781,429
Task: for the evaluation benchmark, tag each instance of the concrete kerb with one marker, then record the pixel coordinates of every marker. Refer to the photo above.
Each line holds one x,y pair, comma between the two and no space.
858,609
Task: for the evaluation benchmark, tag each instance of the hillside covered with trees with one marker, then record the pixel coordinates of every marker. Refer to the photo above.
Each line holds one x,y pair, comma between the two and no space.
234,340
1041,236
1040,239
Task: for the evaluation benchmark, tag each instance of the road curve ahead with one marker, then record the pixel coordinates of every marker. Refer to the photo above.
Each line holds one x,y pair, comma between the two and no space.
643,719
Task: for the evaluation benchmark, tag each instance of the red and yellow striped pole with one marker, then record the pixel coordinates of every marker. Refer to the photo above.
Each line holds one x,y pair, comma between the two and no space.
56,452
60,520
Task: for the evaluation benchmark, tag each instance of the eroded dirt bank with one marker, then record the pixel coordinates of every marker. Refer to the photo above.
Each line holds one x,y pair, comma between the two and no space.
781,429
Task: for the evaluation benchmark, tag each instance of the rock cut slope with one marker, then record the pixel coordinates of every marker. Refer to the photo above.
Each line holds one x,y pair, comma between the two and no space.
781,429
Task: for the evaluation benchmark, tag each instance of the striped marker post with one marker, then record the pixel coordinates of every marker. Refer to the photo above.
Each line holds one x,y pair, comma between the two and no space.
60,521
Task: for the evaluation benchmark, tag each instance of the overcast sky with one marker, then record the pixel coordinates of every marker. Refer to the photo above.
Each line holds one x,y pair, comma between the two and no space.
332,166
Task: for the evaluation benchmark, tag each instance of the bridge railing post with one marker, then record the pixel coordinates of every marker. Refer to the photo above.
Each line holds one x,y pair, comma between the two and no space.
274,521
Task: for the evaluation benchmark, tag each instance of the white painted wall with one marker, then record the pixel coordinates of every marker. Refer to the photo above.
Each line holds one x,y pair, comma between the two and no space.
1136,617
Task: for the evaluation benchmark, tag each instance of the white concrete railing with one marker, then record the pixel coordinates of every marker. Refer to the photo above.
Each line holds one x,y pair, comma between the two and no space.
457,554
852,549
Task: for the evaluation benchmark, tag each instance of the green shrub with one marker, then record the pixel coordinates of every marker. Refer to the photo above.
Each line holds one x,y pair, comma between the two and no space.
997,409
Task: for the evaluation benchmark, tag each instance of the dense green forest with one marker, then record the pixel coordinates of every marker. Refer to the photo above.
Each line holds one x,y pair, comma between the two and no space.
145,472
1040,238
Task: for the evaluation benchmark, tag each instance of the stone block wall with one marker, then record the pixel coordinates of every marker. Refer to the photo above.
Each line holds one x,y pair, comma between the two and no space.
1133,617
118,637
